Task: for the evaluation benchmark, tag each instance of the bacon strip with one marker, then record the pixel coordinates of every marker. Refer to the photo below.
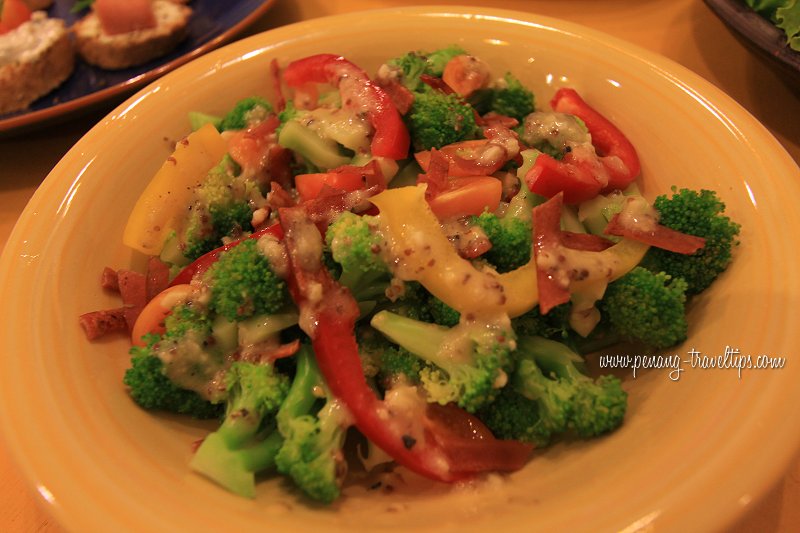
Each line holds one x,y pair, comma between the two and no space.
277,87
132,288
435,175
546,244
99,323
109,280
660,236
157,278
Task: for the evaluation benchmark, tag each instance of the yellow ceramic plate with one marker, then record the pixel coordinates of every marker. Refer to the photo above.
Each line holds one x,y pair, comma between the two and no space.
692,454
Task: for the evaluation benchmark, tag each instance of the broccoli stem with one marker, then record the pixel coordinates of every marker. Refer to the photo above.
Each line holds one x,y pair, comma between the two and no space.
240,448
420,338
301,398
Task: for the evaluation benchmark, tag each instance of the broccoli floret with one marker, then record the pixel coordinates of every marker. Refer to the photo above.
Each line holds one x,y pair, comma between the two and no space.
243,283
439,59
511,239
598,405
437,119
244,445
698,213
512,99
510,234
253,391
412,301
554,325
560,397
513,416
246,112
414,64
647,307
154,385
356,245
384,360
152,390
222,209
443,314
311,453
398,363
467,364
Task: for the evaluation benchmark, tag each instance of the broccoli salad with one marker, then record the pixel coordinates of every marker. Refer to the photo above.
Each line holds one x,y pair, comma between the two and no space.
412,263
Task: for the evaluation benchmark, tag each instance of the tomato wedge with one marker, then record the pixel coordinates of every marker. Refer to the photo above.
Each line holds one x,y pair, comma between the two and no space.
309,186
347,178
464,196
14,13
124,16
251,147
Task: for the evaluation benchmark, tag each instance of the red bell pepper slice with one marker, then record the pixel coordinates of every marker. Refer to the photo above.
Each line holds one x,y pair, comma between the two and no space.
573,178
578,177
331,315
204,262
391,138
617,154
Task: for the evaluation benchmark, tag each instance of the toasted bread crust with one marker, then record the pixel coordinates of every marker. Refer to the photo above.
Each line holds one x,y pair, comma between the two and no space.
22,82
134,48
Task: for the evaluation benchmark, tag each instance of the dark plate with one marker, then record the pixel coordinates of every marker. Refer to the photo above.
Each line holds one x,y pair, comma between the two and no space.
760,35
213,23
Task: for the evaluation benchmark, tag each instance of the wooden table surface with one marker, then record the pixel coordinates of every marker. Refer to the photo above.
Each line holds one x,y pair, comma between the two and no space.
685,31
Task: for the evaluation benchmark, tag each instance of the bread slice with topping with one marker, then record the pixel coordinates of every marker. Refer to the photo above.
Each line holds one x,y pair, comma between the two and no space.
35,58
123,50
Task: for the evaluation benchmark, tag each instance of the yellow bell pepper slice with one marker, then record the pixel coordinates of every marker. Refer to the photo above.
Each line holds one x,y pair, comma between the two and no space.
421,252
162,206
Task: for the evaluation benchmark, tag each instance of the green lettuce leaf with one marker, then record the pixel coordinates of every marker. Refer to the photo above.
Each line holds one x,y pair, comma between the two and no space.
785,14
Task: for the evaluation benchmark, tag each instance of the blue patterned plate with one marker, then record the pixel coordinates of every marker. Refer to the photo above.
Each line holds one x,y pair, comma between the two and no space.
213,24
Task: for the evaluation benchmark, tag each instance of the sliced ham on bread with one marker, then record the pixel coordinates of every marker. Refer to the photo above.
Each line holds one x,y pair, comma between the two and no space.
104,49
35,58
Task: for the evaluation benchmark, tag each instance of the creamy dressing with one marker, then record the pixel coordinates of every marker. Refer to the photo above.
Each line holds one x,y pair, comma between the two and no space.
275,252
192,367
30,39
349,129
405,399
638,213
557,129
